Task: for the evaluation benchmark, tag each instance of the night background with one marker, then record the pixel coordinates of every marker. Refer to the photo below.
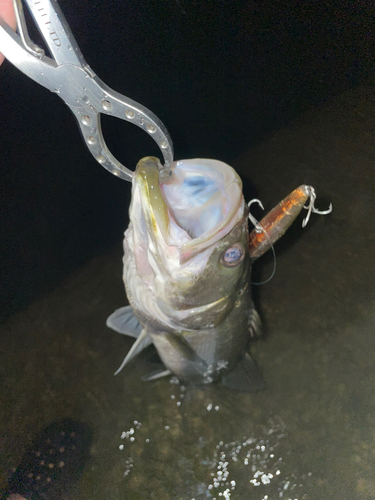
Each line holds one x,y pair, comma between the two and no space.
220,74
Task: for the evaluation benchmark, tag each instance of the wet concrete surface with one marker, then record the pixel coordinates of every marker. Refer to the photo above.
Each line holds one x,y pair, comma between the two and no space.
311,433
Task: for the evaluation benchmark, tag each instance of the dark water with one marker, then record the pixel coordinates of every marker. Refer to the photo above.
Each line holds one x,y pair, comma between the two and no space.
310,433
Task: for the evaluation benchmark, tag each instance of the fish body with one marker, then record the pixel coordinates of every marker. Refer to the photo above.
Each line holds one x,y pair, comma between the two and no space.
187,268
200,327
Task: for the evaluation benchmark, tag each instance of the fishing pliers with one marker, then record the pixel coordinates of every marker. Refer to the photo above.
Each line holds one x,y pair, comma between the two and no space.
68,75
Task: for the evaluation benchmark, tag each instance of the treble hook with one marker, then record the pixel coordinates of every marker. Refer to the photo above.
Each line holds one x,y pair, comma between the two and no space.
311,206
257,226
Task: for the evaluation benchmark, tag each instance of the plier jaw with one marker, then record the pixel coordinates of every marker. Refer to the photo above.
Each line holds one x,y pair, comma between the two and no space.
68,75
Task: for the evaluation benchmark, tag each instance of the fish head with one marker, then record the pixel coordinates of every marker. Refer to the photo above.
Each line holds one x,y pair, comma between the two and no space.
186,248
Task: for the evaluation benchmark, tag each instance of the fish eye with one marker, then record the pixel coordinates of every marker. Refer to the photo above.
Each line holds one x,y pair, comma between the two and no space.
233,255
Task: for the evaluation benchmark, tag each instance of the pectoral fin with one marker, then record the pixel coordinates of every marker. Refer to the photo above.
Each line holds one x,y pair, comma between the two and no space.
184,349
245,377
179,356
141,343
124,321
155,375
179,352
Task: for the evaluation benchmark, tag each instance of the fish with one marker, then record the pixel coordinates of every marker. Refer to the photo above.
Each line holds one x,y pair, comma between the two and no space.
187,266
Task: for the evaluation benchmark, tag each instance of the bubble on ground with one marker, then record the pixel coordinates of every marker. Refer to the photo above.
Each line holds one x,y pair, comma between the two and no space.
129,435
211,466
128,466
179,395
254,458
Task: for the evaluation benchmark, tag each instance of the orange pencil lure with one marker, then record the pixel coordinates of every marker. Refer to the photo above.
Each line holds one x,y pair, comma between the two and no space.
276,222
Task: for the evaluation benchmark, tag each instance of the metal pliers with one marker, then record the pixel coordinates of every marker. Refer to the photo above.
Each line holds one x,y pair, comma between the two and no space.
68,75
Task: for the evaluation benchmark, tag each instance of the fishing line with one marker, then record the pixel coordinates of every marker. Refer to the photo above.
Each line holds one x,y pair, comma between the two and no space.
260,229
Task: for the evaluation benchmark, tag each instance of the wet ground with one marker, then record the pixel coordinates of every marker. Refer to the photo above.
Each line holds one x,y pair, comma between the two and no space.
311,433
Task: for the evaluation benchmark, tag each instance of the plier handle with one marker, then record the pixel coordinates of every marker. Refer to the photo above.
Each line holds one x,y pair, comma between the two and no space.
68,75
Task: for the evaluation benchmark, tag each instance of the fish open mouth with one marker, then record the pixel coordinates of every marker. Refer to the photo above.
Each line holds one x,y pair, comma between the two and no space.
200,203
